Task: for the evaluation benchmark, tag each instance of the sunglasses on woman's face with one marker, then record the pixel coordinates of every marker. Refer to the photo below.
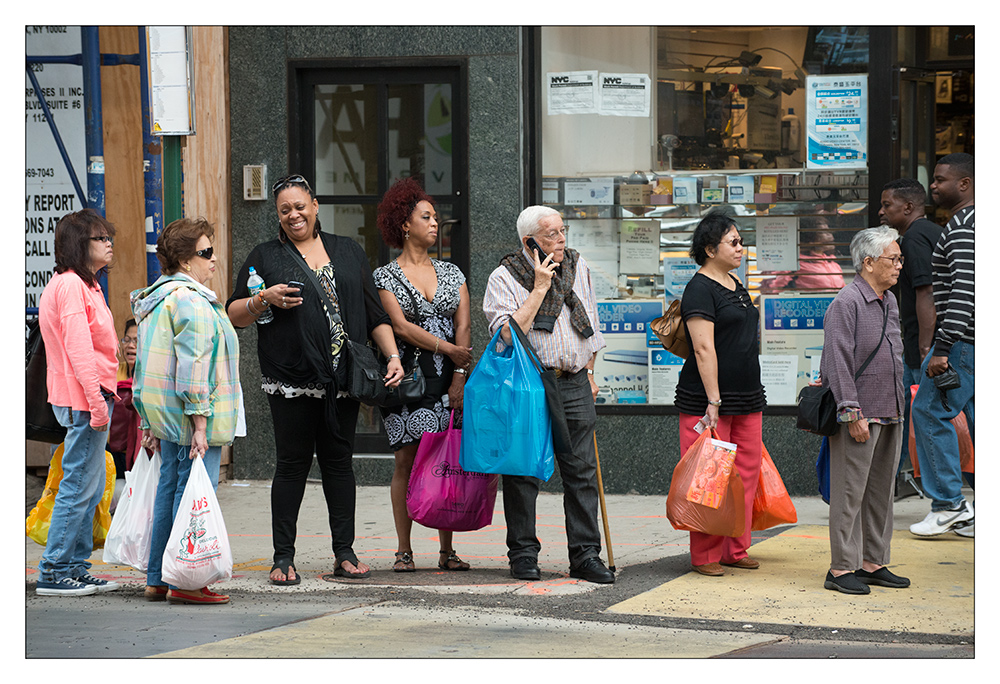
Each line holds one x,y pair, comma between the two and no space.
735,241
205,253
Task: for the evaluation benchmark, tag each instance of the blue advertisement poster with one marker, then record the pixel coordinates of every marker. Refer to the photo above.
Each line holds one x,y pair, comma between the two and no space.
837,121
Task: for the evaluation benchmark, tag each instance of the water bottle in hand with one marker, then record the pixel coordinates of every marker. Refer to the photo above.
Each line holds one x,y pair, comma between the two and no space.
256,284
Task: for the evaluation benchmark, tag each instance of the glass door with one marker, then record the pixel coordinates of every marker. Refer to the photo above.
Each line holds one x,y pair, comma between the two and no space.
358,128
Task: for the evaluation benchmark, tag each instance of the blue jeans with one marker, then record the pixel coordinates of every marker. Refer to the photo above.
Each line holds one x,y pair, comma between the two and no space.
911,376
937,441
70,539
175,468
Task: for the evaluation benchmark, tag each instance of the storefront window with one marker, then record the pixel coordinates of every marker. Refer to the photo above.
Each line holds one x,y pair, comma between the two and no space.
768,123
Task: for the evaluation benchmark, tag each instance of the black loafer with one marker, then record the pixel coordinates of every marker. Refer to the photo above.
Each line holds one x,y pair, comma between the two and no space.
593,570
847,584
883,578
525,569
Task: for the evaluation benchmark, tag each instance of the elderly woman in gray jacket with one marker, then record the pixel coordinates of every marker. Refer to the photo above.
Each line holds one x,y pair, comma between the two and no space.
863,322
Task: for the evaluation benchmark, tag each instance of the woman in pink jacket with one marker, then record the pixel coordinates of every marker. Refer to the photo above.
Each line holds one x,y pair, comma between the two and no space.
80,346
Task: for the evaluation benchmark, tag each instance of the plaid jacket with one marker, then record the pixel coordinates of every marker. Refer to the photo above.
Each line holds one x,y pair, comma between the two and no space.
187,362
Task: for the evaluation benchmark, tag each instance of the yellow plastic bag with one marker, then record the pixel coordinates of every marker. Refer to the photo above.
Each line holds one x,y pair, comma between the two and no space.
36,526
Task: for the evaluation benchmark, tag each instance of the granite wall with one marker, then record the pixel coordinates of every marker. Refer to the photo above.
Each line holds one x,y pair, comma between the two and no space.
637,452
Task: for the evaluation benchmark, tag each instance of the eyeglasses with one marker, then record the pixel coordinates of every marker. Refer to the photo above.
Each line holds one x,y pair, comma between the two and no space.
126,341
289,180
104,238
734,242
896,260
554,235
205,253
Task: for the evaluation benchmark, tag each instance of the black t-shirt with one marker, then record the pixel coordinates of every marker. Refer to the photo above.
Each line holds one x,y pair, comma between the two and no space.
917,246
736,348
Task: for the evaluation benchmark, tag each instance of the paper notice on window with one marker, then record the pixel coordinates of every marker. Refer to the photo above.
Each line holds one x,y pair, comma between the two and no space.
779,375
777,243
640,247
572,92
624,94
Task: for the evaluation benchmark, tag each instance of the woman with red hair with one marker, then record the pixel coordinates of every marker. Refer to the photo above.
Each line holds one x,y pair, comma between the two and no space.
428,303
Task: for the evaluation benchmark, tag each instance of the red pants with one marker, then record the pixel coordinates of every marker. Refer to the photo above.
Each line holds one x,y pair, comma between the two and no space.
744,432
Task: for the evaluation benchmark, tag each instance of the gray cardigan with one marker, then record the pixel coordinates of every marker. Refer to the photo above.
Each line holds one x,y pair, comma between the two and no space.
851,331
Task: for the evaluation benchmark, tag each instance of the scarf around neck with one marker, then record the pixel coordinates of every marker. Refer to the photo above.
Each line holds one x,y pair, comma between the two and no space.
561,291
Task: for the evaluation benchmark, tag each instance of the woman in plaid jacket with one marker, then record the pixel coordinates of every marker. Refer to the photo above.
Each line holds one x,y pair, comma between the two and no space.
186,382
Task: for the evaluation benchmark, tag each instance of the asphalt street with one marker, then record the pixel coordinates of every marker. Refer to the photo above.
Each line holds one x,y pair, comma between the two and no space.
657,608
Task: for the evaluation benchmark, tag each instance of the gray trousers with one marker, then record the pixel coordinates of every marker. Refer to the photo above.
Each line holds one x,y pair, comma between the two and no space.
862,481
578,471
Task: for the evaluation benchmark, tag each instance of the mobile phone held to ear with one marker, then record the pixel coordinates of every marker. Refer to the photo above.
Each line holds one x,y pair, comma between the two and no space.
533,244
301,287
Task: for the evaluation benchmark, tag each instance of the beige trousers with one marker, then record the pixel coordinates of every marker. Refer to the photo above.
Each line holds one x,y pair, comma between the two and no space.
862,483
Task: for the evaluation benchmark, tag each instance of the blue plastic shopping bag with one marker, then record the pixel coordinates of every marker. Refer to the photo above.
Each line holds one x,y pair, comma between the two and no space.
506,426
823,469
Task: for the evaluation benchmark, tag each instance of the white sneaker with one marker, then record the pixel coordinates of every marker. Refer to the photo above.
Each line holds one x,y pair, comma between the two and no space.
939,522
967,530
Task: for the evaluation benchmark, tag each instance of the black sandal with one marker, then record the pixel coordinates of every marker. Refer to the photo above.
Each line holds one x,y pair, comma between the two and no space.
404,562
453,558
284,565
339,571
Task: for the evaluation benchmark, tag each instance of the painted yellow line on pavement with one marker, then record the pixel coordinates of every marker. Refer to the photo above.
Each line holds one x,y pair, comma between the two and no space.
788,588
395,631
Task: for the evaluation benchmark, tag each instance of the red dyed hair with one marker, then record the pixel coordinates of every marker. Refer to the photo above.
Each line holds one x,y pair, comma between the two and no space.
395,208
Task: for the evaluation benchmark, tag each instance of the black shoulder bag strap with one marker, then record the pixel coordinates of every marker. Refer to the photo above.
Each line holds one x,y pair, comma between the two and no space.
885,318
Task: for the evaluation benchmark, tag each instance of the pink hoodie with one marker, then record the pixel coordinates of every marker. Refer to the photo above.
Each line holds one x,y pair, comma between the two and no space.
80,345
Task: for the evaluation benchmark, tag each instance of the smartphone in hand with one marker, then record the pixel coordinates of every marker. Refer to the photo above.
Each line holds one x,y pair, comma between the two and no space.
301,286
533,244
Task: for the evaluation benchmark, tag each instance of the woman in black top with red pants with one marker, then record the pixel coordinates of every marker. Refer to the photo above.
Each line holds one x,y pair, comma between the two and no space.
719,384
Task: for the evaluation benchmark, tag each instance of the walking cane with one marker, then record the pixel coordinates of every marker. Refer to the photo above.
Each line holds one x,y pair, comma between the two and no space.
604,509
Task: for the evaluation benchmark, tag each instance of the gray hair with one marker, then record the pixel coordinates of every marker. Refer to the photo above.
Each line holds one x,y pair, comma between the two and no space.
871,242
529,219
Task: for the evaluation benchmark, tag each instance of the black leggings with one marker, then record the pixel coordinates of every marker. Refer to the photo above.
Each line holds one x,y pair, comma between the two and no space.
300,429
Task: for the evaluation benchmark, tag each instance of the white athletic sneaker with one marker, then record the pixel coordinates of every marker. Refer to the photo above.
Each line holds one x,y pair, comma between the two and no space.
968,530
939,522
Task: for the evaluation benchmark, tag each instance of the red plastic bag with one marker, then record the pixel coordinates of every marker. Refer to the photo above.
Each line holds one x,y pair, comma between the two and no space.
440,494
771,504
704,495
966,450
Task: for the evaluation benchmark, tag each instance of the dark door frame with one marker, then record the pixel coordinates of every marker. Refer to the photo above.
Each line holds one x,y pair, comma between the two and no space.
303,74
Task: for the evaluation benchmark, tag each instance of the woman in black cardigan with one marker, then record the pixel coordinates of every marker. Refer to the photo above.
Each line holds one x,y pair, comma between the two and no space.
302,367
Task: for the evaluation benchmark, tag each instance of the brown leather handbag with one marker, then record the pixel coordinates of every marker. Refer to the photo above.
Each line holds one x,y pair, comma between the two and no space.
670,329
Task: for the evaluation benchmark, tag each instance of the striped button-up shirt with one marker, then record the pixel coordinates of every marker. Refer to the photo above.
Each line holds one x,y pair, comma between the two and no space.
564,348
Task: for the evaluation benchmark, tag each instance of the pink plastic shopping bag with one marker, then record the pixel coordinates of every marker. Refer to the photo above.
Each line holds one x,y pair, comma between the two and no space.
440,494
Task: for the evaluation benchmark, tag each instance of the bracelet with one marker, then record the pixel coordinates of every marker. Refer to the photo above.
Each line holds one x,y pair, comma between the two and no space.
716,403
437,343
260,295
461,371
393,356
251,310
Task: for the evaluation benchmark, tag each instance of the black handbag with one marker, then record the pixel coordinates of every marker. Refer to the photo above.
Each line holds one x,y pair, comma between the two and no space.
40,421
365,373
561,442
817,411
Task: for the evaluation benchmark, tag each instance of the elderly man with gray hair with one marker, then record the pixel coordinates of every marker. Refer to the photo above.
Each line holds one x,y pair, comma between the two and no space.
545,288
862,364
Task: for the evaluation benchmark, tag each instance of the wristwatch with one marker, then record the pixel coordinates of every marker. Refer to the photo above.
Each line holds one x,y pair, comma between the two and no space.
590,371
716,403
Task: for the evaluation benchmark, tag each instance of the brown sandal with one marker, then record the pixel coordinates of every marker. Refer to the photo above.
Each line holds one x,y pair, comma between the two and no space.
459,564
404,562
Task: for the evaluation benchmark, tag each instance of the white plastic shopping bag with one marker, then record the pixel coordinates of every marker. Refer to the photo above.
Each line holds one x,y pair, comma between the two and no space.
131,533
197,552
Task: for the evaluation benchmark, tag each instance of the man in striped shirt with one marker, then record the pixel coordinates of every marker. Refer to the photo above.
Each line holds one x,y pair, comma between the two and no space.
545,288
953,266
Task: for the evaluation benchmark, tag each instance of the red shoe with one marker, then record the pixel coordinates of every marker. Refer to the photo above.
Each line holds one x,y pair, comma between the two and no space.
202,595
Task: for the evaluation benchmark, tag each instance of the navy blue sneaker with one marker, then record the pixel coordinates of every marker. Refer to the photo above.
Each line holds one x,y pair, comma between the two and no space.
102,585
67,586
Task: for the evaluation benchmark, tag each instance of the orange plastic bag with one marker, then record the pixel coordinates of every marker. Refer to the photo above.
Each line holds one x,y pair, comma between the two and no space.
706,493
771,504
36,526
966,450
